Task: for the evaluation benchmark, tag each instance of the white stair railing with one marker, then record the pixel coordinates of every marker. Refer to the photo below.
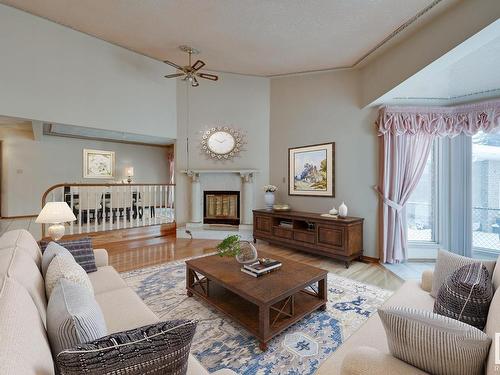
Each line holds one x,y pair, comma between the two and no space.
104,207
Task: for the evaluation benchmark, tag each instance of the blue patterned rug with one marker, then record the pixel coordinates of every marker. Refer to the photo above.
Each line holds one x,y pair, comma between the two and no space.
221,343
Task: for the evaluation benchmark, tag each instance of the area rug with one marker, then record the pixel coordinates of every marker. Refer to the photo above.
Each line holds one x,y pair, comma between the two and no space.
221,343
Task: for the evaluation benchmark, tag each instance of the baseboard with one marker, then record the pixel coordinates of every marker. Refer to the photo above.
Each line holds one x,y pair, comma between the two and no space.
369,259
18,217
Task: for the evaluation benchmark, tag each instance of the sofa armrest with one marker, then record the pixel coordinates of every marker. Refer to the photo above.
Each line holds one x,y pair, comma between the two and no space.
369,361
427,276
101,257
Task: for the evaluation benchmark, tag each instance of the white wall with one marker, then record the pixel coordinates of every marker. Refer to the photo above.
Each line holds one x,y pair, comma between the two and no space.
55,74
241,102
30,167
319,108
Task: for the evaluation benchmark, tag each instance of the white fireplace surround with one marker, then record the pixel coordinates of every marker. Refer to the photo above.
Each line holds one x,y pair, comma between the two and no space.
222,179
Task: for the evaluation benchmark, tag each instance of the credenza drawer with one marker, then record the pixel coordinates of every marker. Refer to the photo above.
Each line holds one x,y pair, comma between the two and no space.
283,233
304,237
331,236
263,224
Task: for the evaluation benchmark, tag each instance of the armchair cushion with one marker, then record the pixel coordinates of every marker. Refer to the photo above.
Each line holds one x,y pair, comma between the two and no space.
370,361
427,277
160,348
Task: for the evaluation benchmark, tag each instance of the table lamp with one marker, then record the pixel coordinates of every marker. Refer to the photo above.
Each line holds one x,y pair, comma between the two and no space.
130,173
55,213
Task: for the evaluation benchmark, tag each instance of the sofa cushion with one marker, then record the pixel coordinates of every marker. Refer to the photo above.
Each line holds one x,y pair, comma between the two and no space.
73,316
434,343
19,265
65,267
49,253
493,327
22,239
81,249
466,295
447,263
161,348
24,348
106,279
123,309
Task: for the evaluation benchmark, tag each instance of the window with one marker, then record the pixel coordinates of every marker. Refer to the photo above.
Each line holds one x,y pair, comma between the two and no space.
486,192
421,207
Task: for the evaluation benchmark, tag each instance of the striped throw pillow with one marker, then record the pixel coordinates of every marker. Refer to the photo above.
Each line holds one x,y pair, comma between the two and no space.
81,249
433,343
161,348
73,316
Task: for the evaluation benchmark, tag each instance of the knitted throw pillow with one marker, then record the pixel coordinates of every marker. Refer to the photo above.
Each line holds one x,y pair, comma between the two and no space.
466,295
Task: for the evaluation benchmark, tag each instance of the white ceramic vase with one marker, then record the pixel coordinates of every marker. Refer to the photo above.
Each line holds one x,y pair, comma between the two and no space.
269,199
343,210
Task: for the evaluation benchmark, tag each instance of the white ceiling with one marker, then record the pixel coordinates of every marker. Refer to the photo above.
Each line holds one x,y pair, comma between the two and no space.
467,73
259,37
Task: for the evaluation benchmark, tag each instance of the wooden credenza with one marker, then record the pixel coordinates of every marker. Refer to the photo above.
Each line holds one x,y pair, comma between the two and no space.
340,238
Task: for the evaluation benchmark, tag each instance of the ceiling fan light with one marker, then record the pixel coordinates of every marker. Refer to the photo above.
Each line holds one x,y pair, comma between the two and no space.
195,84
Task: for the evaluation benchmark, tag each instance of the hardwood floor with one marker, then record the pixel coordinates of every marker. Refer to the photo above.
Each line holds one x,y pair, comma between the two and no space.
143,253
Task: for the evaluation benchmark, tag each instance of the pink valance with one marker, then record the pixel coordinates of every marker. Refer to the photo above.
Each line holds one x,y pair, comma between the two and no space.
441,121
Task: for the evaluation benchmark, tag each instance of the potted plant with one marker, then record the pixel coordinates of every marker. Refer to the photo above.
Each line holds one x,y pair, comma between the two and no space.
233,246
269,197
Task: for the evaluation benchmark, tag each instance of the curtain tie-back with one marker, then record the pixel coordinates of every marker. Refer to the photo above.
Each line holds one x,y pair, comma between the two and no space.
387,201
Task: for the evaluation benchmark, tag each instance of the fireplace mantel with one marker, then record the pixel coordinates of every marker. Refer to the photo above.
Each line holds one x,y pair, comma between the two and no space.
247,192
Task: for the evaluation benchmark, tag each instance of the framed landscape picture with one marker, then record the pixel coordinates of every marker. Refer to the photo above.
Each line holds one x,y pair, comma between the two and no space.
311,170
98,164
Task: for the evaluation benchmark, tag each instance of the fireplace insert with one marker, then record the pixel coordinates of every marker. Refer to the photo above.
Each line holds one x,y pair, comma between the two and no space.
221,207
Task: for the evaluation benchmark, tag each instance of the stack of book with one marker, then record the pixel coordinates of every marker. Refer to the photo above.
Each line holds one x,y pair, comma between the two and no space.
261,267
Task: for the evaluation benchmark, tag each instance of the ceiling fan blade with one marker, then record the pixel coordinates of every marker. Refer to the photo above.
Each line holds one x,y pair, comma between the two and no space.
174,75
173,64
198,65
211,77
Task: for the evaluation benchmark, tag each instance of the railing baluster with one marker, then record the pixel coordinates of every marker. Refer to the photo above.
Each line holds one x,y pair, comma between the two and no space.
143,204
71,205
154,203
96,205
87,194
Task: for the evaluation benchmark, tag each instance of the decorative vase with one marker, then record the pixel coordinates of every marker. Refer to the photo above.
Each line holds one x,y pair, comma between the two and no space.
343,210
269,199
247,254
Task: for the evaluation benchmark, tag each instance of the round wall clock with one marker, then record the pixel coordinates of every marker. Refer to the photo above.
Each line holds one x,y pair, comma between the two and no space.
221,143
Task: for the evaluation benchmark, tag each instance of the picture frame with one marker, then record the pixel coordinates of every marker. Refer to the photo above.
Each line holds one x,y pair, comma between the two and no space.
311,170
98,164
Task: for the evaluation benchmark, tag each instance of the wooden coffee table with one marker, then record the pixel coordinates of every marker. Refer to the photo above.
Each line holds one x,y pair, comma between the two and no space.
265,306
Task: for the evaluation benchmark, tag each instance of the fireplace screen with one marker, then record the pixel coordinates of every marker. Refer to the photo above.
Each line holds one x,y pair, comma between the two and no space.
221,207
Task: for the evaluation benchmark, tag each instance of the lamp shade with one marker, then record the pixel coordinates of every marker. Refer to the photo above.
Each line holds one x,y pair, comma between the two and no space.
129,171
55,212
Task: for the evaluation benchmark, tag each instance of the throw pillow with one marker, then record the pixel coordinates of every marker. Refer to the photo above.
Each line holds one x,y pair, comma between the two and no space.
64,267
433,343
73,316
50,251
466,295
161,348
447,263
81,249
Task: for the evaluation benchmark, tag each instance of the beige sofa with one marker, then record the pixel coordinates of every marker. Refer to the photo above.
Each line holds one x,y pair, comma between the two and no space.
24,347
366,351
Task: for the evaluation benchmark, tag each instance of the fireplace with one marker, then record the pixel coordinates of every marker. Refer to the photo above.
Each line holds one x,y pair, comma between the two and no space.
221,207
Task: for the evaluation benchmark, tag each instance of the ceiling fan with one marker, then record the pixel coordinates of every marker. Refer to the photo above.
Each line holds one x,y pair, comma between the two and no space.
190,71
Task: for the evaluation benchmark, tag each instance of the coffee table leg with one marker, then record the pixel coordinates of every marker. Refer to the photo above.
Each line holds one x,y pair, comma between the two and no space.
189,281
323,291
263,325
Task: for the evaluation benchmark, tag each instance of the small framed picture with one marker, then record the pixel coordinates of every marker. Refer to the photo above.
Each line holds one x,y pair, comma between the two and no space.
311,170
98,164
